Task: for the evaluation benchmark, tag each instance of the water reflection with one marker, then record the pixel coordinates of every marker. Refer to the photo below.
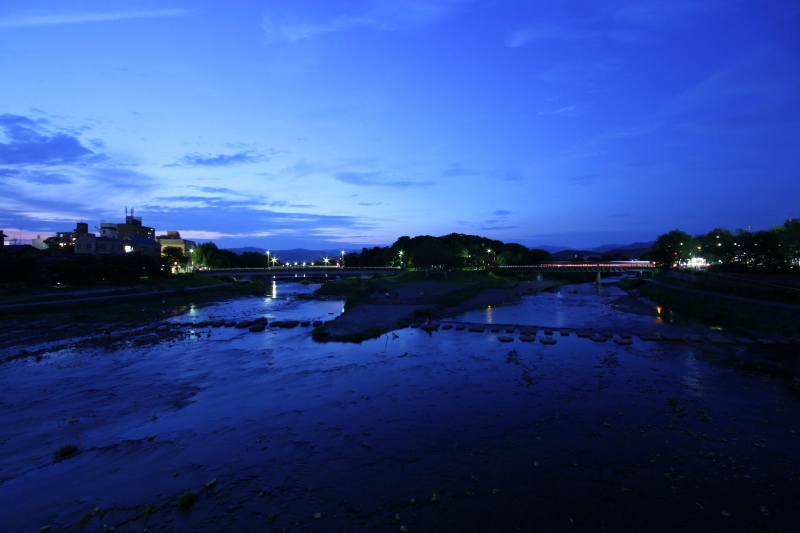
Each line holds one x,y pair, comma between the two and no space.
400,415
693,377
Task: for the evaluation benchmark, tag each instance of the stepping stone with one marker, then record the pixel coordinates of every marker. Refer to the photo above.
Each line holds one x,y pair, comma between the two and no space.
447,326
564,333
624,342
719,339
599,338
460,327
547,340
505,338
477,329
650,336
584,334
527,338
258,327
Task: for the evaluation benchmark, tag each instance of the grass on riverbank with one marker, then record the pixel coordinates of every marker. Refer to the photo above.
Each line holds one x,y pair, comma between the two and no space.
445,288
139,304
718,310
52,293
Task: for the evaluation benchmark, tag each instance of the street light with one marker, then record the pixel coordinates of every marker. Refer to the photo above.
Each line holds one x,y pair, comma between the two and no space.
342,258
267,258
401,258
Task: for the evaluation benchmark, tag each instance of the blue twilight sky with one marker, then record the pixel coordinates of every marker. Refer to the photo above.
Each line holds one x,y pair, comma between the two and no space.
329,124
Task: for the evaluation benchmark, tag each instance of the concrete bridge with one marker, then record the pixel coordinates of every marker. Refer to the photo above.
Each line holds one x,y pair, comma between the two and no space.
610,266
320,272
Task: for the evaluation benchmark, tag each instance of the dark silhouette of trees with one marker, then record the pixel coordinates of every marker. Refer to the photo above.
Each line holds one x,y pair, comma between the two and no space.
671,248
774,250
453,251
174,257
111,268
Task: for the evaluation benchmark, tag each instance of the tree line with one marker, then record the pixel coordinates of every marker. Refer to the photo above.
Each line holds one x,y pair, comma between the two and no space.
776,250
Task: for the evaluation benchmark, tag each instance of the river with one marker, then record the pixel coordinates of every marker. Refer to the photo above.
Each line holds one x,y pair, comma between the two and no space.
448,430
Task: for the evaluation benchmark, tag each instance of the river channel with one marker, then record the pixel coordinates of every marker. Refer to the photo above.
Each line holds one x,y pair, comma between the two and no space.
223,429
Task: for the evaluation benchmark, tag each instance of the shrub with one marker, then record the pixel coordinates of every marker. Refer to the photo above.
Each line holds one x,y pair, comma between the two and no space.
65,452
186,500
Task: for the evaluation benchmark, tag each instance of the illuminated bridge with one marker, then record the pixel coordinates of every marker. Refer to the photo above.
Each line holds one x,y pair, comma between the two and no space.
318,272
299,272
610,266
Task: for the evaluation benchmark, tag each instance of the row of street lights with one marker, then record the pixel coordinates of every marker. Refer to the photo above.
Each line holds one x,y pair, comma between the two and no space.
273,260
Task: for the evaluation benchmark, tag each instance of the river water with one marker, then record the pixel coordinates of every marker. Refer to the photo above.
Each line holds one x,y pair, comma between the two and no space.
449,430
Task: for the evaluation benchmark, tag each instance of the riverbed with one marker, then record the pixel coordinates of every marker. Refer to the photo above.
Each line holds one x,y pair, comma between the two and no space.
222,428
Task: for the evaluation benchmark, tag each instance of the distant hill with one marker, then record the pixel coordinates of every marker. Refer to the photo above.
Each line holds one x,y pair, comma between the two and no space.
629,251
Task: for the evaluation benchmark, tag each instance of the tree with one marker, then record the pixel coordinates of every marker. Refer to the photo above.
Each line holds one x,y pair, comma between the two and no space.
206,254
540,256
515,254
718,246
174,257
672,248
56,247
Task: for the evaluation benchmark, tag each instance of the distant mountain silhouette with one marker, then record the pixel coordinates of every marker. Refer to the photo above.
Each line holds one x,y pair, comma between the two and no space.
629,251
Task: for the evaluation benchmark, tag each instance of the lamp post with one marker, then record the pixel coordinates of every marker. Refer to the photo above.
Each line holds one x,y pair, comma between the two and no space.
267,258
342,258
401,259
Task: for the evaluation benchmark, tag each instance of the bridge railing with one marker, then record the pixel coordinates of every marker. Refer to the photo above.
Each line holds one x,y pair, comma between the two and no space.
630,265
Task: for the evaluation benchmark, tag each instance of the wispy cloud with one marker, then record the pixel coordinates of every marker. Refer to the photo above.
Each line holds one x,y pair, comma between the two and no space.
376,179
750,93
456,170
294,31
625,22
381,16
55,19
530,35
220,160
586,179
569,110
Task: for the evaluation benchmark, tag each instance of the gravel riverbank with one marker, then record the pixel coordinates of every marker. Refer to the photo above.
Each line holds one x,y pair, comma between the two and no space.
383,315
